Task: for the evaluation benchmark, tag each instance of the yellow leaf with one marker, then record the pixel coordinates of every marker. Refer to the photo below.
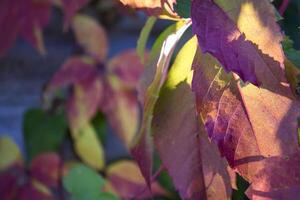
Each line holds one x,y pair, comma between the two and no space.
9,153
88,147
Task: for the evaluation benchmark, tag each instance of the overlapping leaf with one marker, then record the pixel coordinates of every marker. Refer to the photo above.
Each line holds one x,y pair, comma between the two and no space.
249,51
193,163
248,123
142,149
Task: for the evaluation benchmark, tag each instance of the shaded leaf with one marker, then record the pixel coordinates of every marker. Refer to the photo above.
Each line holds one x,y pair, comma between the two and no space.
182,8
291,53
278,179
220,36
9,152
91,36
141,148
131,185
43,132
194,165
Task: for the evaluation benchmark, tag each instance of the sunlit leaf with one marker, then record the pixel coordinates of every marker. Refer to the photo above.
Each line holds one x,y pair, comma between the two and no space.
247,123
237,51
193,163
142,149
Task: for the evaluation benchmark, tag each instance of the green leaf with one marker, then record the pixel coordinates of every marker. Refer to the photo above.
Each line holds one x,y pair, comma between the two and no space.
292,54
83,183
142,41
182,7
43,132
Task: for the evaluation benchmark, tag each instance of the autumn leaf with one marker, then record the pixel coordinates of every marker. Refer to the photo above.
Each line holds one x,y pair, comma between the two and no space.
35,182
193,163
142,148
248,123
153,7
278,179
25,18
130,185
91,36
239,47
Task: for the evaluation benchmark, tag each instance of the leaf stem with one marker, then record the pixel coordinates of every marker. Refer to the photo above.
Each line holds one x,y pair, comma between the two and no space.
283,7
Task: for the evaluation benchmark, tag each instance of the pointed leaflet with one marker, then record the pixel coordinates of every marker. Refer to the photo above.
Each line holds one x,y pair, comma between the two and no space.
194,165
278,180
26,18
220,36
247,123
91,36
152,7
123,73
142,149
131,185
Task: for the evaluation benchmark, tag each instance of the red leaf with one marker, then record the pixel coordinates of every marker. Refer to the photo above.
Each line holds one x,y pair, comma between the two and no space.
219,35
247,123
27,18
46,169
279,179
